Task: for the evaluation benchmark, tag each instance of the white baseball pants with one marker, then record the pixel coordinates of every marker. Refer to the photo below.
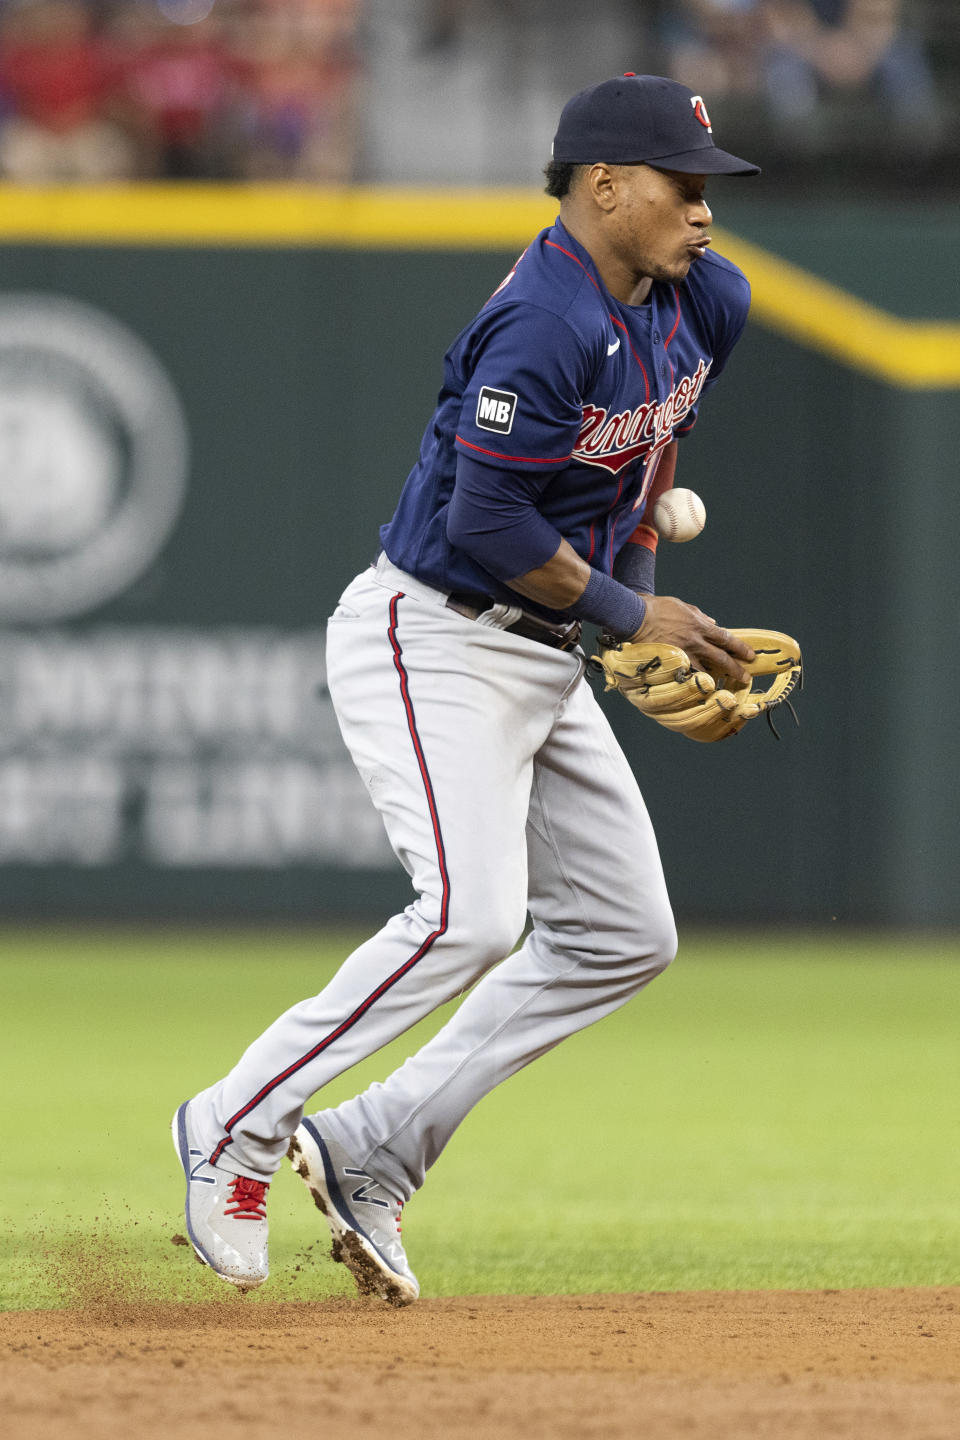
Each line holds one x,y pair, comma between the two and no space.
503,791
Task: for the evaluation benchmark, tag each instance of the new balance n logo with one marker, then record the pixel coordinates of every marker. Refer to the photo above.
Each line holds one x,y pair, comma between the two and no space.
201,1179
496,409
362,1196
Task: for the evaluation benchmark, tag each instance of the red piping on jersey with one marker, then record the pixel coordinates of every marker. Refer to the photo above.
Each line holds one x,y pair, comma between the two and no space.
407,965
570,256
620,323
666,343
646,382
610,510
521,459
506,279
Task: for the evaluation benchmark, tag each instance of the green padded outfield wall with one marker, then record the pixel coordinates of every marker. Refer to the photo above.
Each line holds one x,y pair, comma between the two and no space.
198,442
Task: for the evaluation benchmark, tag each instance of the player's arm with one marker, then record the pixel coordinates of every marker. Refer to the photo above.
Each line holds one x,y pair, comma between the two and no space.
493,516
566,582
636,561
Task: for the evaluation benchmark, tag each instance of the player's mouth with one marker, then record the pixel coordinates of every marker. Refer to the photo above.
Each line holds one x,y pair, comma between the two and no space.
695,248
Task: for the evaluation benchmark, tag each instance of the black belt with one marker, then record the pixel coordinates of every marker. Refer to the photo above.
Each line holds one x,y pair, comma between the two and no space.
529,627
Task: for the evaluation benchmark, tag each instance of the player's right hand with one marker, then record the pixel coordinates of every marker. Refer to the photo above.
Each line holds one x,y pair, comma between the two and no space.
673,622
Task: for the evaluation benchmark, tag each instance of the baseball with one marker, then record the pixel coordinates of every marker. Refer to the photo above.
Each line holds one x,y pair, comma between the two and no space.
679,515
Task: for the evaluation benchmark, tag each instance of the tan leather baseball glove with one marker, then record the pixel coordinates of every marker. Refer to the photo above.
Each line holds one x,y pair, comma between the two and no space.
660,681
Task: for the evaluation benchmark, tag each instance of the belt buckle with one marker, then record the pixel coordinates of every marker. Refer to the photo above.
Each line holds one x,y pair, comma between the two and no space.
558,637
570,637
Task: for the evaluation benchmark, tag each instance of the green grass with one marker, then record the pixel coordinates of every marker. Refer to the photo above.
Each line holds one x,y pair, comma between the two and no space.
773,1112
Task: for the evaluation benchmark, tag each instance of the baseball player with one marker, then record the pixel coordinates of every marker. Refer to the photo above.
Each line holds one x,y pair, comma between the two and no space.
458,682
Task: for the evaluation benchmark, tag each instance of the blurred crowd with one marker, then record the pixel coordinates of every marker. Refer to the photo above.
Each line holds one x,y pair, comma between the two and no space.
101,90
95,90
801,55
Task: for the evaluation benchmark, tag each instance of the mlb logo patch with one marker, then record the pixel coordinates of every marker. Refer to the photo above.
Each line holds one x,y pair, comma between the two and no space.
496,409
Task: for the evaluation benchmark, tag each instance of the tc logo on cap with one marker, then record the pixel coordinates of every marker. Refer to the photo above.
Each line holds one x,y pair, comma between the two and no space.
700,110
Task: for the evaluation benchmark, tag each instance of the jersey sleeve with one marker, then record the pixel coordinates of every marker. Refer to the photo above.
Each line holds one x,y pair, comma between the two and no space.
493,516
522,404
725,311
731,319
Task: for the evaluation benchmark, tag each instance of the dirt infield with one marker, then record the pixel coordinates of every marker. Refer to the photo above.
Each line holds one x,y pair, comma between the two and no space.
711,1366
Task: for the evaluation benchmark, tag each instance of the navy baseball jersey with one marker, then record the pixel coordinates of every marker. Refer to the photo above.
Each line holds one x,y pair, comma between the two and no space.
567,397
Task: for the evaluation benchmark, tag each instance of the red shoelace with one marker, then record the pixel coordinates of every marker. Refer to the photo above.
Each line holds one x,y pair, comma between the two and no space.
248,1198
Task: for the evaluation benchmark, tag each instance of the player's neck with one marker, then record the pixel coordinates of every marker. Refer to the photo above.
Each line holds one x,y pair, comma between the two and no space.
641,293
623,284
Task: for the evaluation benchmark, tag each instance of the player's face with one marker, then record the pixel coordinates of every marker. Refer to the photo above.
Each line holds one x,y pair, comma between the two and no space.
660,221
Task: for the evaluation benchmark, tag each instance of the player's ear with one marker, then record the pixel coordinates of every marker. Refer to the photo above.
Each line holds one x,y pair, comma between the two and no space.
600,181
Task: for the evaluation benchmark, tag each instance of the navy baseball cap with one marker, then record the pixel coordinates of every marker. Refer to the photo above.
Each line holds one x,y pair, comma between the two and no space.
643,119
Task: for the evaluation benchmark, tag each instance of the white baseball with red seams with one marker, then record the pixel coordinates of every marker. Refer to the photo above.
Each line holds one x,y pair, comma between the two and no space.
679,515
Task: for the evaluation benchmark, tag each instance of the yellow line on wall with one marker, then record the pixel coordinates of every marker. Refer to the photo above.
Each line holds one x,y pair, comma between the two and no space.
284,215
913,354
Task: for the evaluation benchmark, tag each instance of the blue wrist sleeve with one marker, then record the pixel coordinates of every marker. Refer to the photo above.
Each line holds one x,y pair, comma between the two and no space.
635,566
607,603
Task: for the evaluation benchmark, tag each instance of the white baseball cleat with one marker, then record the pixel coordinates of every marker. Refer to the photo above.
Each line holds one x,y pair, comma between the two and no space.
226,1214
364,1218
